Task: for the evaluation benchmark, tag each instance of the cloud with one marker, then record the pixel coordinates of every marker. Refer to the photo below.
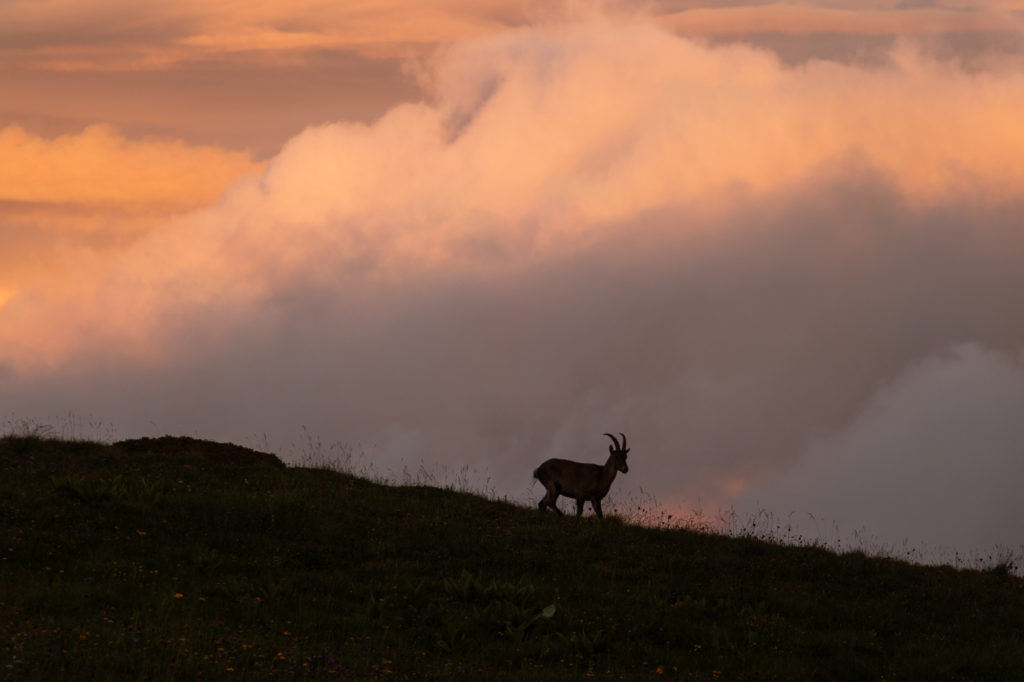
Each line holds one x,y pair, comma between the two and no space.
67,203
933,460
252,75
118,35
99,167
588,226
243,106
847,18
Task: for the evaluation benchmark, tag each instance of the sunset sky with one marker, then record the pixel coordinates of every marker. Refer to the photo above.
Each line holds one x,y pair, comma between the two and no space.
779,245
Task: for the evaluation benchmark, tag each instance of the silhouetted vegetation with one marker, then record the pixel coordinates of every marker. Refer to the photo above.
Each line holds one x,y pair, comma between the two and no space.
181,559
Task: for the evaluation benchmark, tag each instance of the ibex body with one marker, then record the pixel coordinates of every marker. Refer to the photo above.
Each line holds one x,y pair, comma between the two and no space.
580,481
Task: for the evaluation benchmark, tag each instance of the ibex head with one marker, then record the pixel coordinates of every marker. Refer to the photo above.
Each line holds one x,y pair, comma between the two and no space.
619,452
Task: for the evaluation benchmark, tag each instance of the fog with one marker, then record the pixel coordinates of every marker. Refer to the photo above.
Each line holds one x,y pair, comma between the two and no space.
932,465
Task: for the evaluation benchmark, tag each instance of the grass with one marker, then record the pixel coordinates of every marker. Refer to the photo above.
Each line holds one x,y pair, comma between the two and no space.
182,559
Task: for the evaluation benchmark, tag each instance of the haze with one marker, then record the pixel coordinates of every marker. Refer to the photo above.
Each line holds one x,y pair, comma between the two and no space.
778,245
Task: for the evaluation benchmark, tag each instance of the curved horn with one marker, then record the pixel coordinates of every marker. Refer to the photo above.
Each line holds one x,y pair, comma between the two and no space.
623,440
617,446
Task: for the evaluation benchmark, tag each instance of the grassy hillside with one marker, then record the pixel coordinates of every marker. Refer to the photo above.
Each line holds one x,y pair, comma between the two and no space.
181,559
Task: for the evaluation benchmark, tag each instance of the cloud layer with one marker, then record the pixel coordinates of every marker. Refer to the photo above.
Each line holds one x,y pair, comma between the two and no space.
68,204
588,226
99,167
117,35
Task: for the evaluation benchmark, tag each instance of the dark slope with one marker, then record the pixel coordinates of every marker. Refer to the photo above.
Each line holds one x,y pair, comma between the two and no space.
174,558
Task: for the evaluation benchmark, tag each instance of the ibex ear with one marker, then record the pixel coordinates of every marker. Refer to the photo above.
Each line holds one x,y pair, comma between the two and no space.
611,449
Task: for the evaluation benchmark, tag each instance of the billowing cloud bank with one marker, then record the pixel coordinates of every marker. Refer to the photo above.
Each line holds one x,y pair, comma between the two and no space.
591,226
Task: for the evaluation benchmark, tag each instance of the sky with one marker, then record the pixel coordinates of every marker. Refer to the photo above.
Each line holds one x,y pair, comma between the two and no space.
778,245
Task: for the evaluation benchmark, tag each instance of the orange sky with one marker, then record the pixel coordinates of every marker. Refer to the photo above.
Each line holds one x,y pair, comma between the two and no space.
118,117
173,173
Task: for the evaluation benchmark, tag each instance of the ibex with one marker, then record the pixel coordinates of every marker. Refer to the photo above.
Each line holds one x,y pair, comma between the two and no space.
581,481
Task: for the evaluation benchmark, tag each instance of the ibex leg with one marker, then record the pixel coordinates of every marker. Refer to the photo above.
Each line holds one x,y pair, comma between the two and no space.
550,500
